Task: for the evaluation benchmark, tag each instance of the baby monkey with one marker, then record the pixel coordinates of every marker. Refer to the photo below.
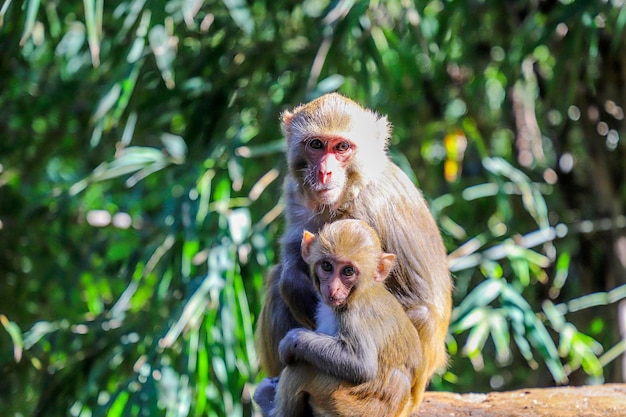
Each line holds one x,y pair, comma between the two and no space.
364,357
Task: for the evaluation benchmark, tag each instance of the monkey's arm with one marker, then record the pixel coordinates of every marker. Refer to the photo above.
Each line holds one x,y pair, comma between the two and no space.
355,362
296,287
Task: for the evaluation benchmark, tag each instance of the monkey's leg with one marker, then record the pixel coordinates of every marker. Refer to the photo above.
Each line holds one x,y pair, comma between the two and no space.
274,322
432,335
388,397
418,394
292,398
434,350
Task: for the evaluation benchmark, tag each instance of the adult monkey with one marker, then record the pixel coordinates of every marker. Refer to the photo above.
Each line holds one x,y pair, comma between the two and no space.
338,168
362,331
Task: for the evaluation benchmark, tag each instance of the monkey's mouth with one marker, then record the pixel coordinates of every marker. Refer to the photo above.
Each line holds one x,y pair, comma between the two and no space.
336,302
328,195
320,190
325,189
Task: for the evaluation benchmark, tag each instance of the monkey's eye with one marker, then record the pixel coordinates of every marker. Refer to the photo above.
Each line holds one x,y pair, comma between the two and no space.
348,271
316,144
342,146
326,266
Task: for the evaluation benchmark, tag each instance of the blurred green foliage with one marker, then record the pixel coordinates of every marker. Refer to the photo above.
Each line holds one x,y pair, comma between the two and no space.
140,180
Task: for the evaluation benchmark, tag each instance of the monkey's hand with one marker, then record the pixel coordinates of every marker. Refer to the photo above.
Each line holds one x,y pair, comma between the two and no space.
288,347
264,395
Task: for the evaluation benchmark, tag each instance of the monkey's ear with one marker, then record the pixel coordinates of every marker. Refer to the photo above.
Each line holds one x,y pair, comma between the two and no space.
385,265
307,240
286,118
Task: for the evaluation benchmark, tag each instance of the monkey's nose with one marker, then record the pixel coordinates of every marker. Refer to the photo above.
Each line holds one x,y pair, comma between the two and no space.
324,177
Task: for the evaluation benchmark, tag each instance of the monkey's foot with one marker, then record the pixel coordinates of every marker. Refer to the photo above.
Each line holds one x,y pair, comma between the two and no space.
265,393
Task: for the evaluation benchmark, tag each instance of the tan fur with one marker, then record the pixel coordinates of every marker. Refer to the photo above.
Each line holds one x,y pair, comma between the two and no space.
376,191
372,310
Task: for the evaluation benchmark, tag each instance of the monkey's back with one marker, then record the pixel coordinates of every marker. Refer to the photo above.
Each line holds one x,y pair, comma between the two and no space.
407,229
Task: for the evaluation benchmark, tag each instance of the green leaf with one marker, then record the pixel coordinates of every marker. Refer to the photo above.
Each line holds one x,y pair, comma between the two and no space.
470,320
108,101
476,340
31,14
93,22
482,295
500,335
16,336
241,15
175,147
162,44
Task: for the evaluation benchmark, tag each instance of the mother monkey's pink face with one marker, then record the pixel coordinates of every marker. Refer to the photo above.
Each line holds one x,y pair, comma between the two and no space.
334,145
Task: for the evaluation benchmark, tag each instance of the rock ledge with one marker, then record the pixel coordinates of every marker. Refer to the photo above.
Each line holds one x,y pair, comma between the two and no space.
588,401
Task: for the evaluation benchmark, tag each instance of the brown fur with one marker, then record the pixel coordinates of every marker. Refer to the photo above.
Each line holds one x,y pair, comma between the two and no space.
374,190
370,323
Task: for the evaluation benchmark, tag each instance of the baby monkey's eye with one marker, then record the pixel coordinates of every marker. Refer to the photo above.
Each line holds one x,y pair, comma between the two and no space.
326,266
348,271
315,143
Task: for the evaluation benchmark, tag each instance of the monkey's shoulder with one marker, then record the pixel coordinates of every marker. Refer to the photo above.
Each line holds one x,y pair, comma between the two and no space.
389,317
396,177
390,193
379,311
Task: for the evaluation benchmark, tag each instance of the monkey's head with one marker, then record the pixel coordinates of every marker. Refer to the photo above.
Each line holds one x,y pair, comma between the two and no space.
334,146
343,257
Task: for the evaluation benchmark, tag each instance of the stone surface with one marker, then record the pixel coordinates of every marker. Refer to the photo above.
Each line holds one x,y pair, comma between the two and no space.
588,401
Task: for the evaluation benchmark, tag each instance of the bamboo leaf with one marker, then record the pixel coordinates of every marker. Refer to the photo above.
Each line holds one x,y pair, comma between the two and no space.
500,335
32,8
93,22
175,147
480,296
240,13
3,11
16,336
